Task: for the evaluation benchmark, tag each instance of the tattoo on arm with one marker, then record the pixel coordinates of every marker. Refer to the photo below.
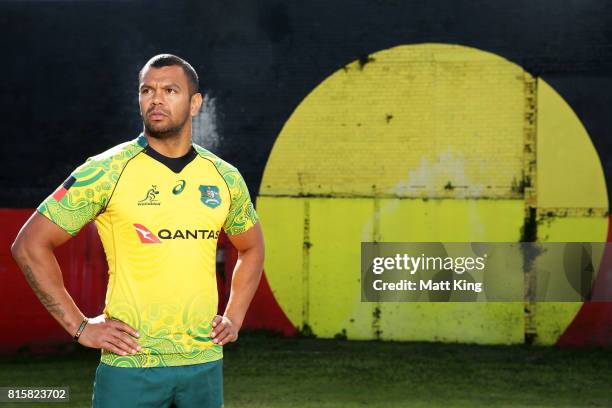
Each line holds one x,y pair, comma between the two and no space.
46,299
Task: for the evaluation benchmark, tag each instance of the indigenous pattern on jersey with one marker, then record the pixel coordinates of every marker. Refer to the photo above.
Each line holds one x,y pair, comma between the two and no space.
159,225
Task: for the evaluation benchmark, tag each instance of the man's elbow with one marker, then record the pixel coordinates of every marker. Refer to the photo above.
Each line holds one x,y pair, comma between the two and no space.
22,248
256,254
259,252
18,248
262,252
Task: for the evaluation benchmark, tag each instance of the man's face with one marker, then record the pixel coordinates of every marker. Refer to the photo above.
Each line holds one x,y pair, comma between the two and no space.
165,105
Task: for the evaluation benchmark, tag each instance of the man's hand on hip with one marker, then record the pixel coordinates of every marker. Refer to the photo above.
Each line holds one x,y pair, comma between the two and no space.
111,335
224,331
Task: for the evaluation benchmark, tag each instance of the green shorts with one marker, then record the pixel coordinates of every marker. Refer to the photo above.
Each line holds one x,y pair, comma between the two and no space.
197,385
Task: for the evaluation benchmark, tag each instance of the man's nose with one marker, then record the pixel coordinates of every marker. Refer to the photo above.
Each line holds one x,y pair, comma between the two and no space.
158,97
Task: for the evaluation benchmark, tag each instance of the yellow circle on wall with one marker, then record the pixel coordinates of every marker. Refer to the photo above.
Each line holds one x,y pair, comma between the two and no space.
428,142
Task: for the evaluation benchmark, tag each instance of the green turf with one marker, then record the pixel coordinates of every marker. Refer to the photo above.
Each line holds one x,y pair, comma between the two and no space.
263,371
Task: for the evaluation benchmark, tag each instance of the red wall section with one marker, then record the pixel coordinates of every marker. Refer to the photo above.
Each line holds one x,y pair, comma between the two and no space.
592,325
22,315
264,313
84,268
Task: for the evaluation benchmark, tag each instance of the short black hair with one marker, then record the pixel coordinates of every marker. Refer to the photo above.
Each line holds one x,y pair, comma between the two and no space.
168,60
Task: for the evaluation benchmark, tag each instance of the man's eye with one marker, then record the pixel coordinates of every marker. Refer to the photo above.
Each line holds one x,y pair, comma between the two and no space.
171,90
144,91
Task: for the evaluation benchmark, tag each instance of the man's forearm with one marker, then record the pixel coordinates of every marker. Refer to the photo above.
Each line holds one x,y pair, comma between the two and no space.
44,276
245,281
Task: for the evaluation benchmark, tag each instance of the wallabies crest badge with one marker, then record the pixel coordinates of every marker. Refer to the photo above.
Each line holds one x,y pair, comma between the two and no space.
210,196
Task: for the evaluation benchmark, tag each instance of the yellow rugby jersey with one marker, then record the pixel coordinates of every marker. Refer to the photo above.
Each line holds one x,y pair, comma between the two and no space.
159,220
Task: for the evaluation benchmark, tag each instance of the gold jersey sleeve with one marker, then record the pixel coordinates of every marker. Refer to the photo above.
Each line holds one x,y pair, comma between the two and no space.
88,189
241,215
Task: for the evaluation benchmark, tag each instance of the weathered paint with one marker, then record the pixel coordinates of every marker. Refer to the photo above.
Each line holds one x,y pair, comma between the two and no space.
428,142
572,197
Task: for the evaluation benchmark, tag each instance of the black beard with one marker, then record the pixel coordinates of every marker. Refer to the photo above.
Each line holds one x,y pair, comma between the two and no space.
166,133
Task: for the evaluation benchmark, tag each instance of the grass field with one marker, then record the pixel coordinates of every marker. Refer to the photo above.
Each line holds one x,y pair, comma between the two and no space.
263,371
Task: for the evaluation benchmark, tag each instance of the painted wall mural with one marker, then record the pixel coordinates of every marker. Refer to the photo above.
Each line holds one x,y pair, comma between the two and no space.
378,121
427,142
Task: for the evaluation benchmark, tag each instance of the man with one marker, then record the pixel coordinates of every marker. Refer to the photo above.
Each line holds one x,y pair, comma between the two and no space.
159,202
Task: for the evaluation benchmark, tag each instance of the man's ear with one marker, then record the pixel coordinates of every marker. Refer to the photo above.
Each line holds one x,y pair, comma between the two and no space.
196,103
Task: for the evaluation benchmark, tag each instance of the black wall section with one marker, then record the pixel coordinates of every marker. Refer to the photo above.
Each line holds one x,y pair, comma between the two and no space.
69,68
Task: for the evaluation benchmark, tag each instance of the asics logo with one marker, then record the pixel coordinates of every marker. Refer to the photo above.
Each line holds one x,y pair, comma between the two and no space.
178,189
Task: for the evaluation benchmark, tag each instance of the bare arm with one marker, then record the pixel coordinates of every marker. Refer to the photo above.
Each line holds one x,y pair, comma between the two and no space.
245,280
33,251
